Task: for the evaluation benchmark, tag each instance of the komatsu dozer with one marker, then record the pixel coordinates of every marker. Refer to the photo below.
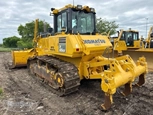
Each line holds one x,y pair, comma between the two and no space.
128,42
74,51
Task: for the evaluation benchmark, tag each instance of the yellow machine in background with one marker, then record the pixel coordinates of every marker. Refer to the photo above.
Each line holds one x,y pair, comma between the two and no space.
149,41
128,42
74,52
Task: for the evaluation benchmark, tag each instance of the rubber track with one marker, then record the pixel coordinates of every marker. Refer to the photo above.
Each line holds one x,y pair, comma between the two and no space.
68,71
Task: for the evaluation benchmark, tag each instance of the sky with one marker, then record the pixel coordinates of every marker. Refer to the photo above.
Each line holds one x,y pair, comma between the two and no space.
135,14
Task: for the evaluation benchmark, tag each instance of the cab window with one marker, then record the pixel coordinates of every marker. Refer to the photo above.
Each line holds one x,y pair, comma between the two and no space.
61,21
64,22
135,36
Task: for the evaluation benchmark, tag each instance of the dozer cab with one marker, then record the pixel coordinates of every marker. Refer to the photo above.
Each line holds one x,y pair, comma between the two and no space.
130,38
128,42
74,51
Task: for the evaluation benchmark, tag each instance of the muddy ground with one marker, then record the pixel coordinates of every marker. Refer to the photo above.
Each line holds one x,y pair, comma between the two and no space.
26,95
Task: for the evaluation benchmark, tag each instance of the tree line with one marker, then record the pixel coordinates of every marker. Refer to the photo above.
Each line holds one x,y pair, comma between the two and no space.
27,33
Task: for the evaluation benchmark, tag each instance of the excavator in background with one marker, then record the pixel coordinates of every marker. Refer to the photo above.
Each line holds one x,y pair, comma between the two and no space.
74,51
128,42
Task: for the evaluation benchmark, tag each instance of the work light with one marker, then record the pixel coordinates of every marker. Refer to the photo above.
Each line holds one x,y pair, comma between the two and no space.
79,7
92,9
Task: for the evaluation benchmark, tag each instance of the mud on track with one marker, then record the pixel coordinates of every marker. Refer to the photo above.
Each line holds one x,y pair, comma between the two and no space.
17,84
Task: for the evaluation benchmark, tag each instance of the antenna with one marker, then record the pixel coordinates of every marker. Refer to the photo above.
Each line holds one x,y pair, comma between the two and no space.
73,2
45,26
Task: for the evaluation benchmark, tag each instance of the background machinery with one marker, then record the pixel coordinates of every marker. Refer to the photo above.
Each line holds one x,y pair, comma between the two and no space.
149,40
128,42
73,51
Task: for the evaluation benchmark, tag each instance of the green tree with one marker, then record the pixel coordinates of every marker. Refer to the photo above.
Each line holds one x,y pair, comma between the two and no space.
104,26
27,34
27,31
11,41
1,45
21,44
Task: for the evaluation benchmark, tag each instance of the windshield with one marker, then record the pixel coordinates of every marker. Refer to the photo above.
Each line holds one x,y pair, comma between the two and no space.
82,22
128,36
131,36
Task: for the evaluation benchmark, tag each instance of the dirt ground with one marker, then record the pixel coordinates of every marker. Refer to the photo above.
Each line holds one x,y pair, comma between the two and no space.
37,98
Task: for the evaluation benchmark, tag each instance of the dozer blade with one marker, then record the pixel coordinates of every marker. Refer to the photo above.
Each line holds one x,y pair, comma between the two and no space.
122,72
147,53
19,58
135,54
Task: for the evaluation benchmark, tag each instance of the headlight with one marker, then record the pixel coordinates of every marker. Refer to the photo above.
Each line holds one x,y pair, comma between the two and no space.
92,9
79,7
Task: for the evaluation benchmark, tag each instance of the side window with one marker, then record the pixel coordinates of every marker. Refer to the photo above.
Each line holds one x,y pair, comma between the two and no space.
83,24
74,21
64,20
59,23
135,36
89,24
122,36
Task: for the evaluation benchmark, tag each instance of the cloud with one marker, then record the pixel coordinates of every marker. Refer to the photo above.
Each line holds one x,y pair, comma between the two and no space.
128,14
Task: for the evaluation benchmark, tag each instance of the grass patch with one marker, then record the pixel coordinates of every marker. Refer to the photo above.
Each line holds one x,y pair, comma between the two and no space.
1,91
2,96
5,49
2,49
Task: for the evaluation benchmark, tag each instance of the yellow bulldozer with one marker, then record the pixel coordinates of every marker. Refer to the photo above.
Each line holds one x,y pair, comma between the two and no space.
128,42
73,51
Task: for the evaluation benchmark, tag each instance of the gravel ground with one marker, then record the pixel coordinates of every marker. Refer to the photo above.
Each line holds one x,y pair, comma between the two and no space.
26,95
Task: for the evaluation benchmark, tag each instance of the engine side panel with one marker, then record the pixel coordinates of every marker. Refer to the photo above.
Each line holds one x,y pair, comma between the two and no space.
73,45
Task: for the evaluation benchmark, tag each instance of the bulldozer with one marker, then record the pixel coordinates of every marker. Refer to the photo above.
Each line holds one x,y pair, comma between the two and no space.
128,42
74,51
129,39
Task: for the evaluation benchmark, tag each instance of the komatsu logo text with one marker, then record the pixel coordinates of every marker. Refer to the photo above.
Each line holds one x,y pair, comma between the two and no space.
93,41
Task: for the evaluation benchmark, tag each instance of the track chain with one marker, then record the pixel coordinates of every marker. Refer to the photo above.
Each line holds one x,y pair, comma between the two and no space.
67,70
